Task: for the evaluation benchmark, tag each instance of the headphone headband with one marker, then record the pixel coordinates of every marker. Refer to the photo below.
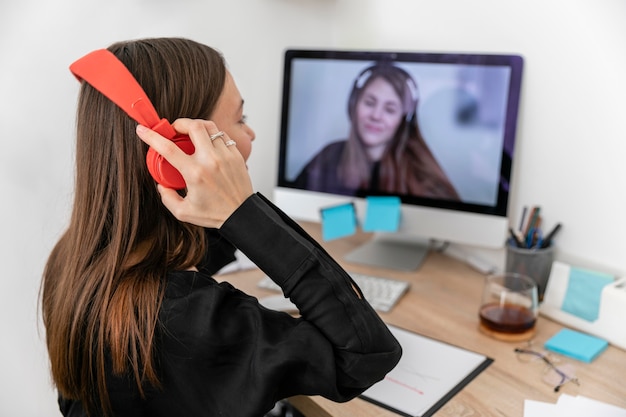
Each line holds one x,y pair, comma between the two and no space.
107,74
368,72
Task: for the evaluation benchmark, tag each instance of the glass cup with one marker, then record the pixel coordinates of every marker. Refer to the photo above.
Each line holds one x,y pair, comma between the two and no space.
509,307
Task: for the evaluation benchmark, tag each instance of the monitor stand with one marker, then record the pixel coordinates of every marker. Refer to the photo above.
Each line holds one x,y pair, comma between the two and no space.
391,252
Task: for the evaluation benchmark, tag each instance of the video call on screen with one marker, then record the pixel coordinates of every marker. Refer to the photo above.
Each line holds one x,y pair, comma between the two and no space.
461,113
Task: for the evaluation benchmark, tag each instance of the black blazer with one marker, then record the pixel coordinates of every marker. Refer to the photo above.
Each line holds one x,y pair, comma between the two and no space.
220,353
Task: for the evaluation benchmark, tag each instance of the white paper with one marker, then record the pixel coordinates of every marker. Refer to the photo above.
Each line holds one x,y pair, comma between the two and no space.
572,406
539,409
427,372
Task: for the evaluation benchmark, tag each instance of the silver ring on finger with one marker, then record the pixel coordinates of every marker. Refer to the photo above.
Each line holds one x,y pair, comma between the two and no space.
216,135
230,142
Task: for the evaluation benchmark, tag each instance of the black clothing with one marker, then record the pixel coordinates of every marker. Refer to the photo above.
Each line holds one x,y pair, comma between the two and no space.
321,172
421,177
219,353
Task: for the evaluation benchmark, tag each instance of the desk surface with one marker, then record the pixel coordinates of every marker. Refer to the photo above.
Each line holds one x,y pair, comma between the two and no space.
442,303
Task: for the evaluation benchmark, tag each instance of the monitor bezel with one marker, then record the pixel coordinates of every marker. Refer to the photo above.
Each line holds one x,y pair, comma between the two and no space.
513,61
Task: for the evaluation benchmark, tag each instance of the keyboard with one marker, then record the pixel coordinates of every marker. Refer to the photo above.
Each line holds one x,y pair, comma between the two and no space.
381,293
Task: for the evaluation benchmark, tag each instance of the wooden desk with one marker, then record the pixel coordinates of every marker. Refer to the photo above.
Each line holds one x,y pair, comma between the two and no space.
442,303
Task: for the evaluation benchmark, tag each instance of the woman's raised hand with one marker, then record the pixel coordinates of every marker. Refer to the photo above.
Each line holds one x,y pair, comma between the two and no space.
216,174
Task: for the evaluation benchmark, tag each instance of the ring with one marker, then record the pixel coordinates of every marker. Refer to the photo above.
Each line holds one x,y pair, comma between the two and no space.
230,142
217,135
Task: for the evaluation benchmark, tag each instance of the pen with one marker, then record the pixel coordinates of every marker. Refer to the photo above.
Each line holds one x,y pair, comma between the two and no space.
521,222
547,241
538,244
533,222
530,238
516,238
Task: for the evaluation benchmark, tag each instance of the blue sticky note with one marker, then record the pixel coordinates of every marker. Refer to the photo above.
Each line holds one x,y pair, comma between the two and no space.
338,221
584,293
382,214
576,345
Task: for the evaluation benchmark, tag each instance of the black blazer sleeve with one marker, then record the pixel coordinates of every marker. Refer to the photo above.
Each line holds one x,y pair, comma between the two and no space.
363,349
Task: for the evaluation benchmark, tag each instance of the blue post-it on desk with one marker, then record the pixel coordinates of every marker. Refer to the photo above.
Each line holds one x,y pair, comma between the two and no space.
576,345
382,214
338,221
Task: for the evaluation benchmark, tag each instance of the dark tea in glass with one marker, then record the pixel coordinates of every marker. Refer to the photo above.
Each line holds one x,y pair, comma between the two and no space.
509,306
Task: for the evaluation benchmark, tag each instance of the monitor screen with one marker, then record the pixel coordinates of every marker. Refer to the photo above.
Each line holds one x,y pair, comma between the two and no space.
435,129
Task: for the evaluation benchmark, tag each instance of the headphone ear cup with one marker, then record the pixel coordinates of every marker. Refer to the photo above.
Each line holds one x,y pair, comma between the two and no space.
162,171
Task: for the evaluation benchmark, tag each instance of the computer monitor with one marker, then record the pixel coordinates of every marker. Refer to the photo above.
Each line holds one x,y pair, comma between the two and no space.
450,121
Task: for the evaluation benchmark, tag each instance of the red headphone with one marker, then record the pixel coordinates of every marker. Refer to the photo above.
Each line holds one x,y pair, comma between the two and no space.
107,74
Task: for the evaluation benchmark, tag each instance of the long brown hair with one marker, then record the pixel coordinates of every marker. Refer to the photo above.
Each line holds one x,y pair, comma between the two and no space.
407,165
103,283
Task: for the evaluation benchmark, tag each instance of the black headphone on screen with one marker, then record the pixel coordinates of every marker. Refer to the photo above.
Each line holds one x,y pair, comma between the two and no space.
381,69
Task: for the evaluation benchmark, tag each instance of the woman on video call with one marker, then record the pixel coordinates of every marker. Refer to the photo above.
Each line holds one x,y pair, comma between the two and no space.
135,323
385,150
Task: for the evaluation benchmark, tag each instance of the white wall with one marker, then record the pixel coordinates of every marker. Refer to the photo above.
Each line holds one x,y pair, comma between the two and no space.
571,149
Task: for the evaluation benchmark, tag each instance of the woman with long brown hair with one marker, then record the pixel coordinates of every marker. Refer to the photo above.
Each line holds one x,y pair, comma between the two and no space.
135,324
385,150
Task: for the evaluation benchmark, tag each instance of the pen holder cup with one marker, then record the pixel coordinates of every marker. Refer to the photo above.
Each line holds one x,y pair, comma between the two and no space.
535,263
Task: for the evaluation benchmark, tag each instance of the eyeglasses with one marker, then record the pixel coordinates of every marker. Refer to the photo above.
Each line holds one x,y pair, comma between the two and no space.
556,375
